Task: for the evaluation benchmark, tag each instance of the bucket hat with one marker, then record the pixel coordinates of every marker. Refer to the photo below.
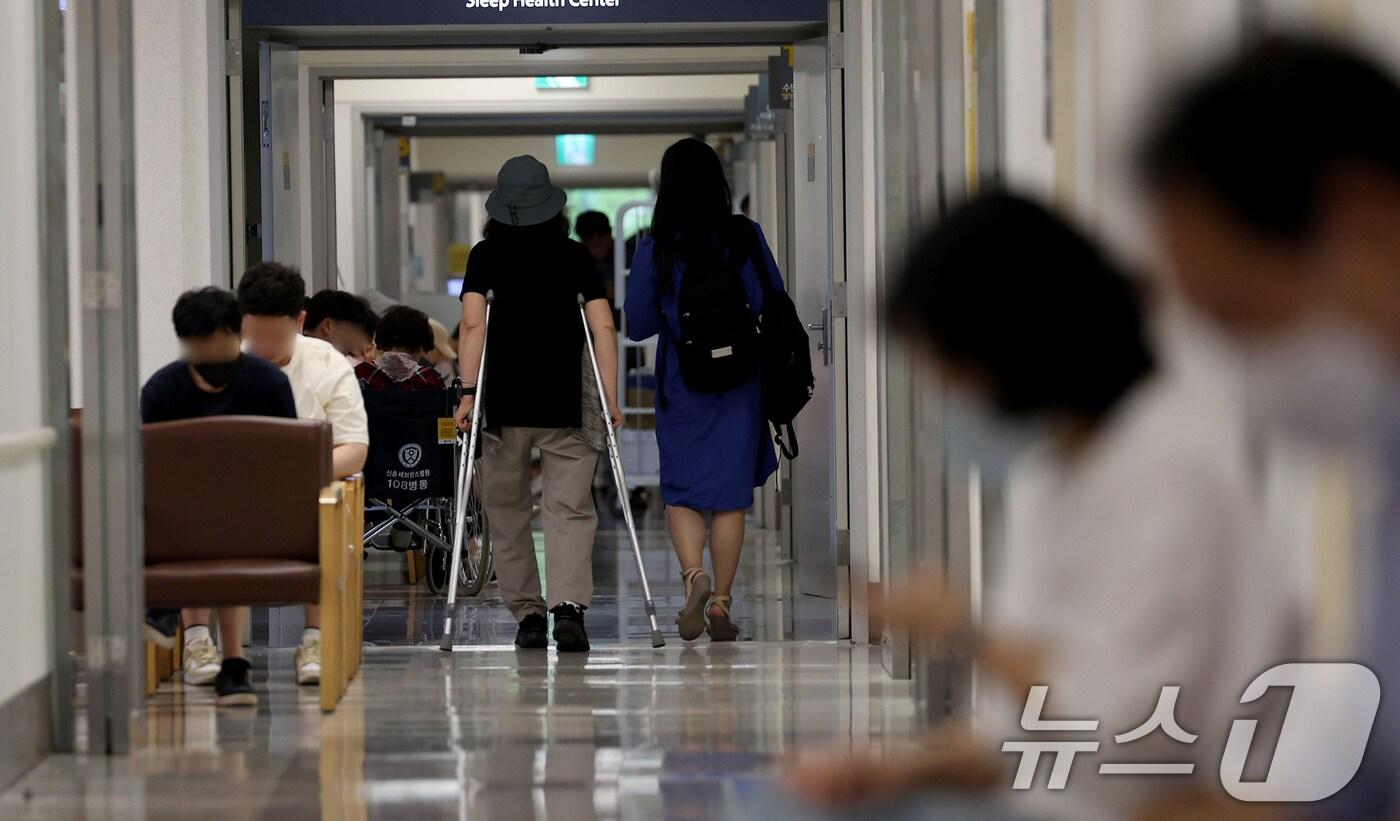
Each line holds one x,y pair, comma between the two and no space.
524,195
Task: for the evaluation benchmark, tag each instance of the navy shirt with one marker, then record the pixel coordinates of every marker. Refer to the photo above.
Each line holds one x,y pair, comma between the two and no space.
259,388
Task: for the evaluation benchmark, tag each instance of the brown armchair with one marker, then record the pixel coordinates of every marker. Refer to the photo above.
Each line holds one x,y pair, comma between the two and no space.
242,511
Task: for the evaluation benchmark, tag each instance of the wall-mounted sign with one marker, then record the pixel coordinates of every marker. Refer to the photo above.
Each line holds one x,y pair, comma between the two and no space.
281,13
576,150
760,119
566,83
780,81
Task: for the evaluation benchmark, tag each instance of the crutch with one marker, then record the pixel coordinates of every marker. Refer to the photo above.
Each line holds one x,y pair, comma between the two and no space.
620,479
464,487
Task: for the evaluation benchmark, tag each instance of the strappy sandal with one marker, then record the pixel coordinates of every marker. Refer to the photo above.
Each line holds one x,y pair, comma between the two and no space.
691,620
721,627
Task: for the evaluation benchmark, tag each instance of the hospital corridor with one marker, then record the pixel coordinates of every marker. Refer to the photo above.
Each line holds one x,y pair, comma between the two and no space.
616,410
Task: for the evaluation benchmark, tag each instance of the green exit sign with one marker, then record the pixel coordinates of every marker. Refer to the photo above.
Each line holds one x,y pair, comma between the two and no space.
575,150
555,83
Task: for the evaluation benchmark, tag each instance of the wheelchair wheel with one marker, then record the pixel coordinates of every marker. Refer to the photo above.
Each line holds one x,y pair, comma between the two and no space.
477,558
438,568
438,564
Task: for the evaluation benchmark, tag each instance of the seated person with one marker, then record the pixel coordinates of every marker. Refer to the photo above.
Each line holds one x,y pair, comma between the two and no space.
273,299
443,357
214,378
1132,556
402,339
344,320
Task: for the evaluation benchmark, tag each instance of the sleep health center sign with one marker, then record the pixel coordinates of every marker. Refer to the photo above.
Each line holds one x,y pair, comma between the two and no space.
502,5
359,13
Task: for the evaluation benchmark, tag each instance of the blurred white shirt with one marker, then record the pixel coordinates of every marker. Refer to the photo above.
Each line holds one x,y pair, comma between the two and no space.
325,389
1139,563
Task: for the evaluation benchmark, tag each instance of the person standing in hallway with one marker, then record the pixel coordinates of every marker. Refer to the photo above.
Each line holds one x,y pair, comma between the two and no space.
714,445
1275,185
534,397
273,297
594,230
213,378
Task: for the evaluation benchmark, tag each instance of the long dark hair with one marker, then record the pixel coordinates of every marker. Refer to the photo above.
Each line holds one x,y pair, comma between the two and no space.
556,227
1005,286
694,208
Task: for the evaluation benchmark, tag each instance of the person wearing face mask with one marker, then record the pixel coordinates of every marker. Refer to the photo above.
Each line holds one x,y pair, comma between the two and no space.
212,378
402,337
1129,564
1275,185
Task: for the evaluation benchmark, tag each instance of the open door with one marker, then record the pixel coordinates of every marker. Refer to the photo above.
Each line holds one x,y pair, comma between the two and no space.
812,483
278,132
297,133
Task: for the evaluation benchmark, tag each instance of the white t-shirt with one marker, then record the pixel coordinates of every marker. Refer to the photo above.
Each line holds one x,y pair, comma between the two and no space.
325,388
1137,564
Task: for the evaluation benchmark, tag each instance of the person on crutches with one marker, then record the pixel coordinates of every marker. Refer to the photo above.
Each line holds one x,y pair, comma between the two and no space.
532,398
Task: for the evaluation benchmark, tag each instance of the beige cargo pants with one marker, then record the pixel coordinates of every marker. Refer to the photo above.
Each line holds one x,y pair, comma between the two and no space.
570,519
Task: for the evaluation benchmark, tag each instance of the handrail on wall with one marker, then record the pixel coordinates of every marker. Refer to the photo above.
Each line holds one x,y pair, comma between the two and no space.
15,447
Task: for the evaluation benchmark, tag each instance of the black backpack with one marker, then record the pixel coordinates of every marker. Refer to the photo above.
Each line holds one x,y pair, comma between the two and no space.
788,381
718,344
721,344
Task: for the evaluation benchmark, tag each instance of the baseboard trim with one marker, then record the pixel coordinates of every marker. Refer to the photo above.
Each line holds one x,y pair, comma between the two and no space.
28,738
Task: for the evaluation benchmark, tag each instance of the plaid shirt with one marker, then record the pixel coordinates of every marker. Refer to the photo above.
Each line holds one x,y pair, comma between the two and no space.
373,379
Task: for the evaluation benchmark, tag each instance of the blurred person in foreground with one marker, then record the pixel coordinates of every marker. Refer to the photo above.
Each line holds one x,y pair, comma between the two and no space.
1131,559
1275,180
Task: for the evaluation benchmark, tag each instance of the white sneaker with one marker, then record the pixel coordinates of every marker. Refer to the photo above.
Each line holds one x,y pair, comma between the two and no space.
308,662
202,661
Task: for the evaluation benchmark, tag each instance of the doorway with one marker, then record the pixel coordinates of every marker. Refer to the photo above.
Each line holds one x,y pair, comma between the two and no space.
311,139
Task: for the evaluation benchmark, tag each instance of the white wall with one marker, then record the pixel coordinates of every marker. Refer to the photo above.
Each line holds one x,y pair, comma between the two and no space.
490,94
443,93
24,606
181,162
1116,60
620,156
1028,160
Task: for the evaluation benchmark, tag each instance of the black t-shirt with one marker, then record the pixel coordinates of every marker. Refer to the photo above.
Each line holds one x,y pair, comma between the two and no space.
534,346
259,388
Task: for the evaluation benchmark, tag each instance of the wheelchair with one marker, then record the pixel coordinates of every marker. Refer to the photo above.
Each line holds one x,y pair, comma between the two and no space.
411,485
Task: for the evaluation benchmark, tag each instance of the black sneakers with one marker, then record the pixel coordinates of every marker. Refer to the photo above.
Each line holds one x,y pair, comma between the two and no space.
232,688
533,633
160,627
569,634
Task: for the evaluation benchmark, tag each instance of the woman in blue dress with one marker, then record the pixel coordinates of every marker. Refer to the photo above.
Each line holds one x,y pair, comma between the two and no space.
714,446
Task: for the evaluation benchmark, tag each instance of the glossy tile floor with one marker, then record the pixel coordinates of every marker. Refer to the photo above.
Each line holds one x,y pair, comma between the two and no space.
488,732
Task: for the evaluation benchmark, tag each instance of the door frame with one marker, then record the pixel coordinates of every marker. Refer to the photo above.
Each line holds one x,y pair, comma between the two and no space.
319,69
